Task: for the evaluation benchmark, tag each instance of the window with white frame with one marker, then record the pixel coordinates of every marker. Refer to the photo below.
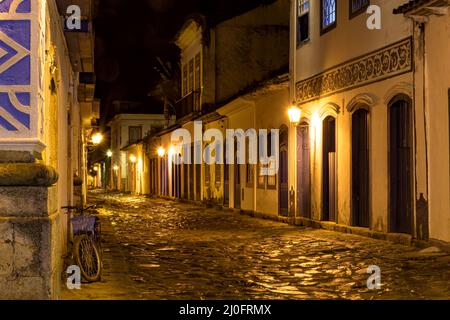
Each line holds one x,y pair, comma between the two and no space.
328,15
302,21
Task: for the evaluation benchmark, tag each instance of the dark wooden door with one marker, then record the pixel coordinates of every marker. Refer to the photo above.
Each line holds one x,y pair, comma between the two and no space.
179,182
304,171
329,169
237,180
186,181
198,182
283,187
191,175
226,181
360,169
400,167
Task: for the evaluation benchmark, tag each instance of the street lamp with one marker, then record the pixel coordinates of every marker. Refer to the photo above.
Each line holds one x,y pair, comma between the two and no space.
97,138
133,158
109,153
295,115
161,152
116,168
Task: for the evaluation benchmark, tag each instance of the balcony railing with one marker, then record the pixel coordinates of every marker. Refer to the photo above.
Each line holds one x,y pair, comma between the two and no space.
188,105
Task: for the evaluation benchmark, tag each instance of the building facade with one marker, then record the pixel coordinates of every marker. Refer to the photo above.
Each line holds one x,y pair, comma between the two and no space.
129,162
430,21
365,119
226,67
370,154
46,111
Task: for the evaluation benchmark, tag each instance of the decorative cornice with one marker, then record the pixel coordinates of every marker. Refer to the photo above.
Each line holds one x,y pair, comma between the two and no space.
388,62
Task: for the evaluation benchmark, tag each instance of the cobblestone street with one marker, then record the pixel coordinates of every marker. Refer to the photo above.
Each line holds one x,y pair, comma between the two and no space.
170,250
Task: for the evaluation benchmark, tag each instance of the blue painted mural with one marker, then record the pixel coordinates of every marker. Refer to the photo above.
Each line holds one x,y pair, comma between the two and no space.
15,65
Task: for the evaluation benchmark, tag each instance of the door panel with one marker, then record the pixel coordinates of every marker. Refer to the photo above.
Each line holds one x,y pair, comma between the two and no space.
360,169
283,186
328,170
400,168
304,172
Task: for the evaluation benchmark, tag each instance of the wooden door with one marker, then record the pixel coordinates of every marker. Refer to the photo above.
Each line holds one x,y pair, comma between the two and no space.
329,169
237,179
283,187
360,169
303,171
226,180
400,167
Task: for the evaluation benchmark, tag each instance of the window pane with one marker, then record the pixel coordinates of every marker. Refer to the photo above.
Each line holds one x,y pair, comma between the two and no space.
357,5
328,13
303,28
303,7
303,21
135,134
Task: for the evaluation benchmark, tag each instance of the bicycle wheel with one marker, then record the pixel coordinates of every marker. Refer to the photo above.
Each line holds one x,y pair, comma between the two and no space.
87,257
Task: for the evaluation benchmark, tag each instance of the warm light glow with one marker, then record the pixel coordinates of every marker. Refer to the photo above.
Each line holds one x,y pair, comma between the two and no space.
171,150
295,114
97,138
133,158
315,120
109,153
161,152
116,168
95,169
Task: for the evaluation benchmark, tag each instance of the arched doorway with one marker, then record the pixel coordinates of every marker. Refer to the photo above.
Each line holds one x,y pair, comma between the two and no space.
400,165
329,169
304,170
283,187
360,169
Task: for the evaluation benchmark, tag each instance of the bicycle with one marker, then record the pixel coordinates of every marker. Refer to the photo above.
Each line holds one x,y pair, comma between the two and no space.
86,243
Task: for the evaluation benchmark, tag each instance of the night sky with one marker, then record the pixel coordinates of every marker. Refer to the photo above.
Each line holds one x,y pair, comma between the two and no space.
130,35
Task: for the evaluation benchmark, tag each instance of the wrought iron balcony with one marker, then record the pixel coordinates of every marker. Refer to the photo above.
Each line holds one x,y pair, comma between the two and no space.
188,105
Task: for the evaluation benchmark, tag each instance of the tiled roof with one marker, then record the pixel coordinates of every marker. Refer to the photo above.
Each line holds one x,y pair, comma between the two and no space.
416,4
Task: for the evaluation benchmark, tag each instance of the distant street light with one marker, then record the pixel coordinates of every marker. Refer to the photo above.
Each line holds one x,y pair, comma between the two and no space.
97,138
109,153
161,152
133,158
295,115
116,168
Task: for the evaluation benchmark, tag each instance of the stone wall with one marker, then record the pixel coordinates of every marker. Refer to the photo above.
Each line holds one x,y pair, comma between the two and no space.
30,231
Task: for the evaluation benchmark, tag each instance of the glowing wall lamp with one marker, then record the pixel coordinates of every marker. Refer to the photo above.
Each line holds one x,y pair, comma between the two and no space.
161,152
97,138
133,158
116,168
109,153
295,115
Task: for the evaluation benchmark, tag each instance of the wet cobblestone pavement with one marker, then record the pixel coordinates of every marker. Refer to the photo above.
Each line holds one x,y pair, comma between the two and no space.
182,251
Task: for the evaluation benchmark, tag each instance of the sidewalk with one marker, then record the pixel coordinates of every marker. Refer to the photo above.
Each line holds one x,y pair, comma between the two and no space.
116,283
